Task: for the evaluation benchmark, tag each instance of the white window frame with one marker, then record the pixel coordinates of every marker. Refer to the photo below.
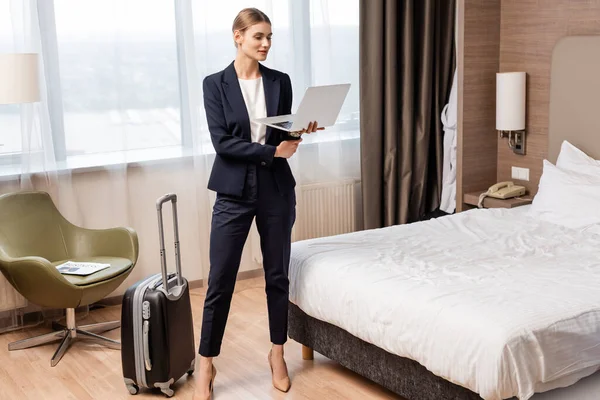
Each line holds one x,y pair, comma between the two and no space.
300,28
49,42
184,39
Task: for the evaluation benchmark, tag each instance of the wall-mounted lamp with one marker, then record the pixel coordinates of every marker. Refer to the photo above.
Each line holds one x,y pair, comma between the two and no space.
510,108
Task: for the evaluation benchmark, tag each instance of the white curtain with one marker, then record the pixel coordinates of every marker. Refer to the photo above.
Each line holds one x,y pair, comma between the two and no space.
27,156
121,121
27,138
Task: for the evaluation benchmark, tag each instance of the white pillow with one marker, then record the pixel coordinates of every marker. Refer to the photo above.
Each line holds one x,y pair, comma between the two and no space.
573,159
567,198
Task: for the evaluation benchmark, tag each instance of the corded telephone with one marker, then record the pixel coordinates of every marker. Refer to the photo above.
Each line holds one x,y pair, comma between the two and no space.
502,190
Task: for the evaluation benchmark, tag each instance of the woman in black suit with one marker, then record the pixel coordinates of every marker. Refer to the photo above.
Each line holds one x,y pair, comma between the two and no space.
252,178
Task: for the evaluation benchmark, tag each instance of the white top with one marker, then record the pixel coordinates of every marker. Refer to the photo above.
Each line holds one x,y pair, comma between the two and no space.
491,299
254,97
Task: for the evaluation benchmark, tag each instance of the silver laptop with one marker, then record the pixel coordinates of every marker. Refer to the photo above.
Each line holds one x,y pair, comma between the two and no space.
320,103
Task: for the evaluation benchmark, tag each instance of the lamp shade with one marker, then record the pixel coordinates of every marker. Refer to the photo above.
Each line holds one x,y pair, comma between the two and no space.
19,82
510,101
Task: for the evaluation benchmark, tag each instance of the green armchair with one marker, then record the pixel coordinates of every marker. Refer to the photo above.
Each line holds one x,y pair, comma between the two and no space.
34,239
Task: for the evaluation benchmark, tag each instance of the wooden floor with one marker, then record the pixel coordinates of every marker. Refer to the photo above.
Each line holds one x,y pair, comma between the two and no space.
92,372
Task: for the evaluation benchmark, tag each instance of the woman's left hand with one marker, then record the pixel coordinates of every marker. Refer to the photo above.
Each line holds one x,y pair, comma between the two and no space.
312,127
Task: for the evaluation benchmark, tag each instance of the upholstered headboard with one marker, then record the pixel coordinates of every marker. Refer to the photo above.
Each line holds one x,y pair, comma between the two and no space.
575,95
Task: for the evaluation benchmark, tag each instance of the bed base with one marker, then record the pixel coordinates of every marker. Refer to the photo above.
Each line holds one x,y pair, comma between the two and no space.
401,375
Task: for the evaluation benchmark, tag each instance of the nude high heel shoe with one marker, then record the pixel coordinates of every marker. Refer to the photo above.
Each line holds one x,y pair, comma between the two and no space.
210,384
281,384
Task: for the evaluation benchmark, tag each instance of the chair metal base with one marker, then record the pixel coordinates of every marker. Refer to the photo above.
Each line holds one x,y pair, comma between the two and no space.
68,335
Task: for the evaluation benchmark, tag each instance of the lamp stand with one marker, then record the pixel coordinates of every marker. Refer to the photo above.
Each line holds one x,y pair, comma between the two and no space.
516,141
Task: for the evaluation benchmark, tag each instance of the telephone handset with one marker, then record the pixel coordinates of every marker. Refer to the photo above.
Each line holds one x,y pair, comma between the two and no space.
502,190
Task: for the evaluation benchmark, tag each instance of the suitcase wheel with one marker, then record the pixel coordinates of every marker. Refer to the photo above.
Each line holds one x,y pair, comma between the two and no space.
192,367
133,388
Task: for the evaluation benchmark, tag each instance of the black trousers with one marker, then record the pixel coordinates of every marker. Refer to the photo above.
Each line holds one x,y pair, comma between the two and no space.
231,221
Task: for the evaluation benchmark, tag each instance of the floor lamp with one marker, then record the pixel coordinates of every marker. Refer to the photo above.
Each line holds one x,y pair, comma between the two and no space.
19,81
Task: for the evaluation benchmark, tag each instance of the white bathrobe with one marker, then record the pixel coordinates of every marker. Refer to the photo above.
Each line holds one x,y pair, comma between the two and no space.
449,117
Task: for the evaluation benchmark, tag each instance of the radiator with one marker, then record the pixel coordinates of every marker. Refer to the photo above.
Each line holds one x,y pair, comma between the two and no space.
327,209
10,299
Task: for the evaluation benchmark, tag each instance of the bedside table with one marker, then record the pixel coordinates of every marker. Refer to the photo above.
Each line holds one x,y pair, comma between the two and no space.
489,202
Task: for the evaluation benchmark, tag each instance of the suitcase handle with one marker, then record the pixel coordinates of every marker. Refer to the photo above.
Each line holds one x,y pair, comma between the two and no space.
172,197
146,342
167,197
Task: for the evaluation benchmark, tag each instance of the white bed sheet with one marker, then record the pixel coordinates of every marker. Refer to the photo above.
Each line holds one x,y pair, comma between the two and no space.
493,300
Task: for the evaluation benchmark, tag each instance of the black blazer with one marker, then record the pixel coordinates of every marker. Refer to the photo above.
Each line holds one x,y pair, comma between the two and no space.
229,127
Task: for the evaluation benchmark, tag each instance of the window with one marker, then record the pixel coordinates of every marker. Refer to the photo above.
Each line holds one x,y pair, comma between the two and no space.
335,57
115,80
118,75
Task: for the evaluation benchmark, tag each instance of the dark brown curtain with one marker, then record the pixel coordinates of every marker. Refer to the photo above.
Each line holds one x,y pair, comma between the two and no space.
407,61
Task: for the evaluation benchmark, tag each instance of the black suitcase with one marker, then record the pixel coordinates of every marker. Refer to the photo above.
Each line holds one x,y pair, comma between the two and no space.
157,331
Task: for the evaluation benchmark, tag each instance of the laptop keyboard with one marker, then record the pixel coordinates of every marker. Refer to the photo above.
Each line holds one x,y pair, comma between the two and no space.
285,124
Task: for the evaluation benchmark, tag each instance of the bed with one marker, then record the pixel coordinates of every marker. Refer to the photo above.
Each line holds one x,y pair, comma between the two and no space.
493,304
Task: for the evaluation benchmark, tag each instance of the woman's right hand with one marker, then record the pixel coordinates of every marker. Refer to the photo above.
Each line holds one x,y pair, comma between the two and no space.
287,148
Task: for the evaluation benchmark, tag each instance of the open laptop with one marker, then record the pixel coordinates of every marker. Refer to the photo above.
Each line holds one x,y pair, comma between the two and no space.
320,103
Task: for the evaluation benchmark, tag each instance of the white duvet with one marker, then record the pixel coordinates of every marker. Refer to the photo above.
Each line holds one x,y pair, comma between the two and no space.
493,300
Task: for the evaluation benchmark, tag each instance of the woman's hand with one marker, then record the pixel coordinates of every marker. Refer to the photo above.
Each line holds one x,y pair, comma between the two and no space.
312,127
287,148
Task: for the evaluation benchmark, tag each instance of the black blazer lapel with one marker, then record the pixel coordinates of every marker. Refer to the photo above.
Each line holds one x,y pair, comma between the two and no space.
271,86
233,93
